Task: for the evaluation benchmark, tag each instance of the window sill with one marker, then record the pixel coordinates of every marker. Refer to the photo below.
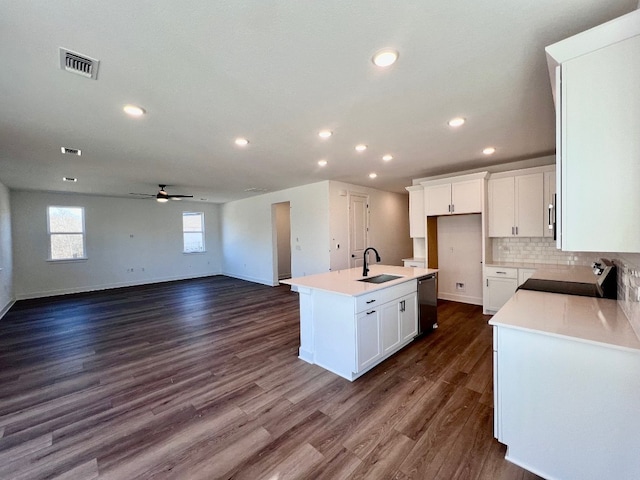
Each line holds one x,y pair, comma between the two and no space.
194,253
67,260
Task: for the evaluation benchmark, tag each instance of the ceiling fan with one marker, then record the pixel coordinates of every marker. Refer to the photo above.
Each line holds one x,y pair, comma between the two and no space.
162,195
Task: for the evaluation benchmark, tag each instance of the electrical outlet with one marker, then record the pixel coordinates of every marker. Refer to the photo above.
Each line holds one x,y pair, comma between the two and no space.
460,286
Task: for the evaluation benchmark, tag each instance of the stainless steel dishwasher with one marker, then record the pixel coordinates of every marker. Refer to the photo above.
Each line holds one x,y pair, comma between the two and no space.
427,303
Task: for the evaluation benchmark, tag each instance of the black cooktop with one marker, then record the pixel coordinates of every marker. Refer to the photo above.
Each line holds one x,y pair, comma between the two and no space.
568,288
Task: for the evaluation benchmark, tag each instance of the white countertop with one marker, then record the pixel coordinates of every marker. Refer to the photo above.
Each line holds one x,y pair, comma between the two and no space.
345,282
591,320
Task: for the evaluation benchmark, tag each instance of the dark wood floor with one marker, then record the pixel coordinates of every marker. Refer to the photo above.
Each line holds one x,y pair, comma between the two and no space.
200,379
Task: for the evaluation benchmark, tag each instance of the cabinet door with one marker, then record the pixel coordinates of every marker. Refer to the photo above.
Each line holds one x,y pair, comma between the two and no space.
466,197
367,339
437,199
524,274
529,192
501,207
416,214
390,326
408,317
549,202
600,149
499,290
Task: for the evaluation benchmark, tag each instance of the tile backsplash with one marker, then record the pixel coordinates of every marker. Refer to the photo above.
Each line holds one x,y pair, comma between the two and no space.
539,250
544,251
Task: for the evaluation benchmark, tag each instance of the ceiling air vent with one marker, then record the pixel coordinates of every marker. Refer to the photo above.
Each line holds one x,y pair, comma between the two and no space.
71,151
77,63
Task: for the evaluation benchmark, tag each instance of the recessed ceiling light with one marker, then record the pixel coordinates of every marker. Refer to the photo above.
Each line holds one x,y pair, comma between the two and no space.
385,58
361,148
133,110
325,133
69,179
322,163
387,158
241,142
71,151
373,175
456,122
489,150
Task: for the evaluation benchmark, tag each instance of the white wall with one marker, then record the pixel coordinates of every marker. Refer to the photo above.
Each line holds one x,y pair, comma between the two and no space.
120,234
388,224
6,257
460,257
249,244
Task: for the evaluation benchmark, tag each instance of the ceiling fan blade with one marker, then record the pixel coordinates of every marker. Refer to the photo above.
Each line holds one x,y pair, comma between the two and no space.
180,196
142,194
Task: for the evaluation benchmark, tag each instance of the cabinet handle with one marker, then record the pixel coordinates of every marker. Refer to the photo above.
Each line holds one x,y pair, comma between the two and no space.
487,282
370,301
453,208
502,273
402,306
513,230
372,311
449,207
550,225
516,230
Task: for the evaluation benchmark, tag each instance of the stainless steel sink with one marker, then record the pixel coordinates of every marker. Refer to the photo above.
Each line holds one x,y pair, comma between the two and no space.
385,277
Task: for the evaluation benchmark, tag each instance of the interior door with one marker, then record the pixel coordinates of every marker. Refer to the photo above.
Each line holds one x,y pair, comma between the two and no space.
358,228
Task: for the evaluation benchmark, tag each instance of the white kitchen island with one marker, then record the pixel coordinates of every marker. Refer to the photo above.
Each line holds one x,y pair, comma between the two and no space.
348,326
567,386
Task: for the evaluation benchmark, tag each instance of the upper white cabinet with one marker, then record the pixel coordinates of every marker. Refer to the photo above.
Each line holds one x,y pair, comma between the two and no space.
516,206
454,196
416,211
595,77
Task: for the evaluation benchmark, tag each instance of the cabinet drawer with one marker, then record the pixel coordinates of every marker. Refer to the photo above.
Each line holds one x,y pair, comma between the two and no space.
502,272
414,263
371,300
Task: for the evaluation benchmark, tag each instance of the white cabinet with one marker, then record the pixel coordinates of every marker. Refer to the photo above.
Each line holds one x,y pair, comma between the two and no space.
416,212
500,285
524,274
350,335
598,107
516,205
453,198
565,408
414,263
408,317
368,349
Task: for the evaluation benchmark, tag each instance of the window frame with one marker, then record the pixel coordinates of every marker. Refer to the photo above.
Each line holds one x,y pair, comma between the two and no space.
201,232
50,234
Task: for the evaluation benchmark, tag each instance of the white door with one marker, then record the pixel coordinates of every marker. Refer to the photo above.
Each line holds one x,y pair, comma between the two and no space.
358,228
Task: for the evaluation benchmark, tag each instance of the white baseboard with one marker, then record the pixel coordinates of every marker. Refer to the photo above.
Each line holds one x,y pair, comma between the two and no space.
250,279
108,286
7,307
455,297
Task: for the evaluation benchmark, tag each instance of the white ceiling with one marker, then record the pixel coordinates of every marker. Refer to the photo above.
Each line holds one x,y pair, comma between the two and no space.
276,72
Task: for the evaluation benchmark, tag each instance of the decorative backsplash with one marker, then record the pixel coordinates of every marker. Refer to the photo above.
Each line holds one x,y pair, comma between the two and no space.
544,251
540,250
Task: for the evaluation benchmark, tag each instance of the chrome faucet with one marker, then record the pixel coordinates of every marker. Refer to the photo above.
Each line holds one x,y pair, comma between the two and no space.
365,269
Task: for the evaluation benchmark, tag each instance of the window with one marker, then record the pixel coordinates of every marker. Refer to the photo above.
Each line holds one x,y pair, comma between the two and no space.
65,226
193,231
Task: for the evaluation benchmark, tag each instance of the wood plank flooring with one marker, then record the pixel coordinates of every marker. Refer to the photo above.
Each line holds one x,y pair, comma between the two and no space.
200,379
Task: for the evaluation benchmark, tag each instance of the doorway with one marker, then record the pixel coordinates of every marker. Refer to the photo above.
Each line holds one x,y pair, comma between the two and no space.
281,218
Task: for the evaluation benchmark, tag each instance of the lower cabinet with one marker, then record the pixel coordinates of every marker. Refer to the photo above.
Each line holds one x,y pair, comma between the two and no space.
349,335
500,284
384,329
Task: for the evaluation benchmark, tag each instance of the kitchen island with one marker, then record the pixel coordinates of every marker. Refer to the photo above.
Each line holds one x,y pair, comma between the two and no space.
567,386
348,326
